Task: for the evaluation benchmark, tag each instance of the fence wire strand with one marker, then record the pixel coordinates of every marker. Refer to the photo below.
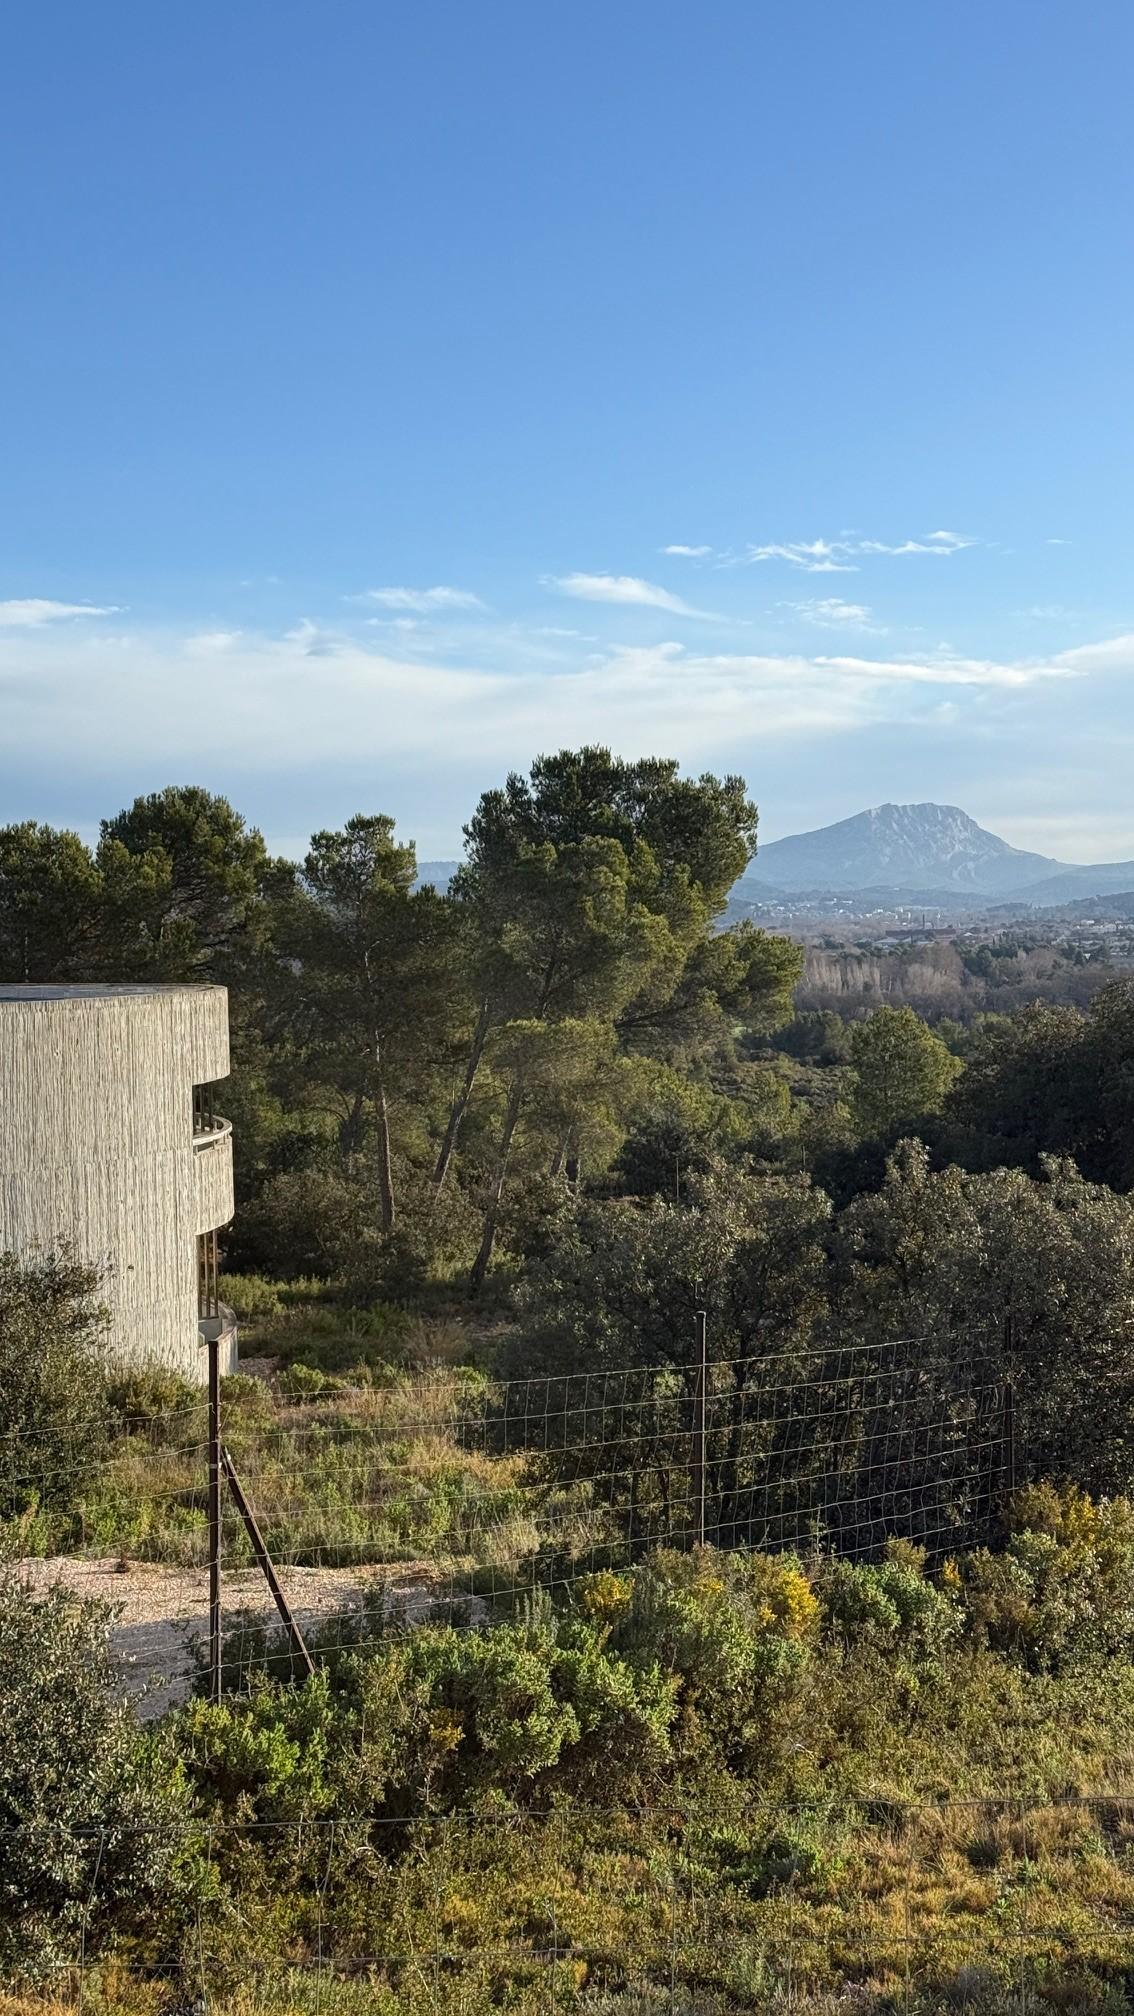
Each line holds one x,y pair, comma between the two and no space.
450,1497
1020,1939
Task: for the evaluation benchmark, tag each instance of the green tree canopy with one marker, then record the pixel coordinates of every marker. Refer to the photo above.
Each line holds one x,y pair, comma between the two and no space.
1031,1276
902,1071
376,985
623,1285
593,883
186,884
1051,1081
50,901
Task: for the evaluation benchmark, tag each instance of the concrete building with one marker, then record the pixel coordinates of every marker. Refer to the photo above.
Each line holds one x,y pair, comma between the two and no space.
110,1142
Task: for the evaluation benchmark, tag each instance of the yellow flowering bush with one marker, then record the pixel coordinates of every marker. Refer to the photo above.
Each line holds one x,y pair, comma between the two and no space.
605,1597
785,1601
734,1631
1063,1589
445,1729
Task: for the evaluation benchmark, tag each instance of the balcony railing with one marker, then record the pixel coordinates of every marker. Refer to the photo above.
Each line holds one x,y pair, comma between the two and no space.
208,1124
208,1275
204,1137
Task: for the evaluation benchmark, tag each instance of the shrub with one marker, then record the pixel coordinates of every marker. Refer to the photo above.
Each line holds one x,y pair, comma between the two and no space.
733,1629
307,1382
304,1221
605,1597
153,1400
52,1377
265,1755
786,1602
889,1602
95,1828
433,1719
246,1405
261,1767
251,1297
1063,1589
491,1711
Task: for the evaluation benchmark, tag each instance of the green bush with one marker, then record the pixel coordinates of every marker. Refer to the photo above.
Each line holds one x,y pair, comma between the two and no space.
1063,1588
431,1719
304,1221
251,1297
264,1756
734,1630
307,1382
483,1714
151,1399
246,1400
891,1602
96,1830
55,1418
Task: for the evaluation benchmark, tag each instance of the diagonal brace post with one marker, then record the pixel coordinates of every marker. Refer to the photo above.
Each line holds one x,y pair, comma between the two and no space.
264,1560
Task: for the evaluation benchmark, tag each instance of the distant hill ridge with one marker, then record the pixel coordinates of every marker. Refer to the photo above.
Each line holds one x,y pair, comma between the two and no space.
920,847
920,853
438,874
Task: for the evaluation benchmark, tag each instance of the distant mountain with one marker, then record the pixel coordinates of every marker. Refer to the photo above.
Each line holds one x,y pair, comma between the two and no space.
1094,909
439,873
915,847
1102,878
928,854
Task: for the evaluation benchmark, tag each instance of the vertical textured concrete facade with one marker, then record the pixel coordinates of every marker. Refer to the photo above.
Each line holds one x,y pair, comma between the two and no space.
98,1148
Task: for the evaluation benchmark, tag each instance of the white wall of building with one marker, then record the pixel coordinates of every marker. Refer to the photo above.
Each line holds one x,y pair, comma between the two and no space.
97,1147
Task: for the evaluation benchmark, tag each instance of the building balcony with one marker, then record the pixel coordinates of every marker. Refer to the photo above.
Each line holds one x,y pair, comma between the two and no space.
205,1136
212,1172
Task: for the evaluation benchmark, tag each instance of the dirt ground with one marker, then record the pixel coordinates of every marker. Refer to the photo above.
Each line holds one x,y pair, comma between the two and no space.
162,1613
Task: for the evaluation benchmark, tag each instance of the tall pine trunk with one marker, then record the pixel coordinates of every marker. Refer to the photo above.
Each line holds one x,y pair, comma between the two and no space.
385,1163
460,1104
488,1236
350,1127
382,1116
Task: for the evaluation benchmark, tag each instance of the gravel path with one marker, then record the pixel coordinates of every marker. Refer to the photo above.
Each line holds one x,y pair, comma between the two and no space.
162,1613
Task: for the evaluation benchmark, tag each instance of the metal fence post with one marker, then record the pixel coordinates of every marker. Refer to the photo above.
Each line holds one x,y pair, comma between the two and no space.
214,1520
1010,1436
699,1437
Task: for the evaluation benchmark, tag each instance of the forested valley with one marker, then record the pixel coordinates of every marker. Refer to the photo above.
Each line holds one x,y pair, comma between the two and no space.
778,1372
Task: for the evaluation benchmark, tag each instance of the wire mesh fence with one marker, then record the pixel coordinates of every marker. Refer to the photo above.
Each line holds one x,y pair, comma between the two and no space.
996,1905
448,1495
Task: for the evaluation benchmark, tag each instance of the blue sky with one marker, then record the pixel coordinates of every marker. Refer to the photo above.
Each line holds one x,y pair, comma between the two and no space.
365,367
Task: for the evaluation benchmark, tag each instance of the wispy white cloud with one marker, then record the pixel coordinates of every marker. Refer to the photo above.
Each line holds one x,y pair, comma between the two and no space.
818,556
1110,656
626,590
842,555
33,611
830,612
954,671
933,542
421,599
687,552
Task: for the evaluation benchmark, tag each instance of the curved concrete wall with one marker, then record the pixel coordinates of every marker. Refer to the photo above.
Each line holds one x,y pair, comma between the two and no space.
97,1149
212,1173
